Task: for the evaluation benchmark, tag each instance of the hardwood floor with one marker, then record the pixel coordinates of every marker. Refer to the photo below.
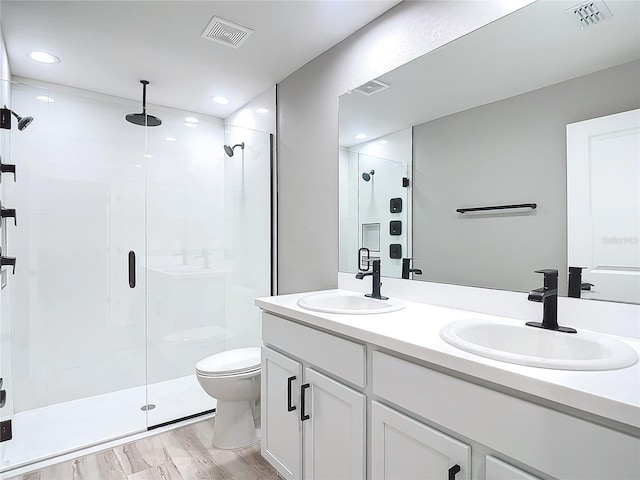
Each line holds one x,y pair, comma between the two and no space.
184,453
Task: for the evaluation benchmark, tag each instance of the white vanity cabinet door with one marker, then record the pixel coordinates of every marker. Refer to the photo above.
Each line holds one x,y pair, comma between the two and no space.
404,449
281,427
334,433
499,470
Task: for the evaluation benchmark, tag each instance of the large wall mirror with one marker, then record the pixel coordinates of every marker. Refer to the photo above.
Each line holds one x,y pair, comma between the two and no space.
540,109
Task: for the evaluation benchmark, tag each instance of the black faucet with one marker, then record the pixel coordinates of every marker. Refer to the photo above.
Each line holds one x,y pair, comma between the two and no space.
548,296
406,268
375,274
205,256
576,285
183,255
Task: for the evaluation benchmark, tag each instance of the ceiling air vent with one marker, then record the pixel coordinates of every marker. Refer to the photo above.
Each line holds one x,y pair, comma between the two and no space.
226,32
590,13
371,87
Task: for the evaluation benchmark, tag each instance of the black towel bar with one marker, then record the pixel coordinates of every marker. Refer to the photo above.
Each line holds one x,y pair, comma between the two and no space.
497,207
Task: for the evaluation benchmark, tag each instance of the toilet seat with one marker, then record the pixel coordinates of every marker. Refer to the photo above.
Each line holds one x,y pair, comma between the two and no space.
230,363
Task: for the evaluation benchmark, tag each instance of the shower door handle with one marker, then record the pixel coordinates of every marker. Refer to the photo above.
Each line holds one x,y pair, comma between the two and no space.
132,269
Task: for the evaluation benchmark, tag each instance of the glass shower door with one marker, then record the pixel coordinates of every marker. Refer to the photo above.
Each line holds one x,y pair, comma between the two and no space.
77,326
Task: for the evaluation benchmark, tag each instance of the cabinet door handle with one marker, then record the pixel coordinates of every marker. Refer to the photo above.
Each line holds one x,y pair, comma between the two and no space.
303,416
290,408
452,472
132,269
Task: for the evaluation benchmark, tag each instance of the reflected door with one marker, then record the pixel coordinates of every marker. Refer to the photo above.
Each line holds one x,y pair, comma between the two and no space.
603,204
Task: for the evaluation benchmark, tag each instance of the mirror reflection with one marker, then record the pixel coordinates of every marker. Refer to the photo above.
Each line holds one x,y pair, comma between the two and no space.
523,111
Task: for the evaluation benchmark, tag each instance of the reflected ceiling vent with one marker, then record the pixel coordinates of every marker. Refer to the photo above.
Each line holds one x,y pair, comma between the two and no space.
226,32
590,13
371,87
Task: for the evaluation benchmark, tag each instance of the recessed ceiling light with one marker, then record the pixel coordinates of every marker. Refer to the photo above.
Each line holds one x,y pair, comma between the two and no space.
190,124
191,120
220,100
361,136
44,57
261,110
146,155
44,98
170,139
382,141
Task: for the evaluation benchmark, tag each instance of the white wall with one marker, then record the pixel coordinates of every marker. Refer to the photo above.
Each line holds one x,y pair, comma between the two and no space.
522,139
308,125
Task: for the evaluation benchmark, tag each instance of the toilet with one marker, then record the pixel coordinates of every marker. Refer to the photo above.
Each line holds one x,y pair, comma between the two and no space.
233,379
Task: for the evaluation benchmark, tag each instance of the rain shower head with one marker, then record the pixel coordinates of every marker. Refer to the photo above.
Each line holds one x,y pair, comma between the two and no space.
229,150
142,118
366,176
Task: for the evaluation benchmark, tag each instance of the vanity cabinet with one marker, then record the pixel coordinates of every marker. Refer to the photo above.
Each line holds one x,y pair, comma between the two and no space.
424,422
313,424
402,448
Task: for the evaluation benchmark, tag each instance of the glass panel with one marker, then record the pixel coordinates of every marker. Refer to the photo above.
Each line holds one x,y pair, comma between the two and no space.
185,267
375,188
247,234
77,329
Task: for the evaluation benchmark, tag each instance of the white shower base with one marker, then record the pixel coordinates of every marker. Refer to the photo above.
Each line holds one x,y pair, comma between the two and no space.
57,429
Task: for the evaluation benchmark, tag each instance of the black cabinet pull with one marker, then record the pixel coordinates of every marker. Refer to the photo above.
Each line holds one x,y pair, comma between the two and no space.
290,408
452,472
132,269
303,416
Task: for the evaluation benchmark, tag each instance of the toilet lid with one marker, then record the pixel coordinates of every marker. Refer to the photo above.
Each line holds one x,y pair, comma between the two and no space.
238,360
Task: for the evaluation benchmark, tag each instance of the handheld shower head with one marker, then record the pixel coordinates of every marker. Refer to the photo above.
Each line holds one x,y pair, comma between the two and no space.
229,150
366,176
23,122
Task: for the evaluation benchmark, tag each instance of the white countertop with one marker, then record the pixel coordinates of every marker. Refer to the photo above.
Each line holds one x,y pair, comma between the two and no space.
415,331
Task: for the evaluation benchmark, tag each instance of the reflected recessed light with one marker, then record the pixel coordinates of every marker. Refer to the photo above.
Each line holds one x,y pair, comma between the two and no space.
44,57
361,136
191,120
220,100
262,110
44,98
147,155
190,125
170,139
382,141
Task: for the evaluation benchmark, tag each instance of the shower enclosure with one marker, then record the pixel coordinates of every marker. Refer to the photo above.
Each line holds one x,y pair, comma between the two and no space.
87,354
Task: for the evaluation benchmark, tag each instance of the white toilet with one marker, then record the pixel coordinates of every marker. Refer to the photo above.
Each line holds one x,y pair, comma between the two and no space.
233,378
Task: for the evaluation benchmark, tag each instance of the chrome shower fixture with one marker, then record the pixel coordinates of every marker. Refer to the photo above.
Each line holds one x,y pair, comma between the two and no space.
229,150
366,176
5,119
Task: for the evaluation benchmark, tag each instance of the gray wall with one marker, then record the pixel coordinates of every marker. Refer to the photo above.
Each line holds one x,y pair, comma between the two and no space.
308,126
511,151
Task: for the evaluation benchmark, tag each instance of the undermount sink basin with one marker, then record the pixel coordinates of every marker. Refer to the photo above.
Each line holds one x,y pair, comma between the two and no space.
536,347
348,303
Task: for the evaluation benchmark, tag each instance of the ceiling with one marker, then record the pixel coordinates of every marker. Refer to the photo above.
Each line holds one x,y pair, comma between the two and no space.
534,47
108,46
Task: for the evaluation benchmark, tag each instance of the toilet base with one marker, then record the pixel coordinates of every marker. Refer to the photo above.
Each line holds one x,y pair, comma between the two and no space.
234,426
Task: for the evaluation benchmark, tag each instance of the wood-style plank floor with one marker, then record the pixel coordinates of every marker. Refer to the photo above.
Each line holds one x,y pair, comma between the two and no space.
185,453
